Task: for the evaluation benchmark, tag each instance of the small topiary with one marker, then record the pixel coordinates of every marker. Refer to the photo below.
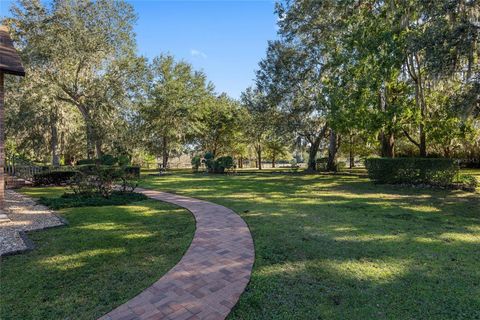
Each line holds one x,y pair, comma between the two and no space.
209,162
196,162
223,163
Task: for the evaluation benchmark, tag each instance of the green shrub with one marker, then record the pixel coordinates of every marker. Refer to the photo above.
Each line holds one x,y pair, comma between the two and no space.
108,160
321,164
223,163
132,171
432,171
123,160
218,165
208,155
70,200
129,178
57,177
82,162
468,182
101,179
209,162
196,162
86,168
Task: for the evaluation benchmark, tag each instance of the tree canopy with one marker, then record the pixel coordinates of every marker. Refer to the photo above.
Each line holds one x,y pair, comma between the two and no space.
344,80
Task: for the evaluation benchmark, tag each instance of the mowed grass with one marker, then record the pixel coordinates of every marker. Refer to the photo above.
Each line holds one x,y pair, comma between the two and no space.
340,247
104,257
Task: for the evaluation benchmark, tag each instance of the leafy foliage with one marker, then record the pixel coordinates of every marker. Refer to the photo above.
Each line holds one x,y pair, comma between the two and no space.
468,182
196,162
101,179
56,178
432,171
218,165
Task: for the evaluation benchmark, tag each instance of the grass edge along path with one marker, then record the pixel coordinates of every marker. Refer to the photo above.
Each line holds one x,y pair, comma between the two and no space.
103,258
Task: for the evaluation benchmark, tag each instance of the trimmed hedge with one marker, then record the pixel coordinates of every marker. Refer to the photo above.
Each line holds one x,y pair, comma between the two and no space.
133,171
57,178
431,171
106,160
85,162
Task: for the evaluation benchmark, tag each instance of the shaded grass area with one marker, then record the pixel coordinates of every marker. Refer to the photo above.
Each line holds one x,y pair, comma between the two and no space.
104,257
339,247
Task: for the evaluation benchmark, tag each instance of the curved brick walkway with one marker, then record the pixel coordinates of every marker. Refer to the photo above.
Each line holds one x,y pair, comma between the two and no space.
211,276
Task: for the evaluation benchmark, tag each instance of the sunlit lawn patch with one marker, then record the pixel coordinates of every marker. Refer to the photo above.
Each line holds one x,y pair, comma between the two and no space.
105,256
340,247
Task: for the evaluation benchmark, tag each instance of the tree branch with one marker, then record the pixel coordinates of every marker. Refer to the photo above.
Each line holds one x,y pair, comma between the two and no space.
410,138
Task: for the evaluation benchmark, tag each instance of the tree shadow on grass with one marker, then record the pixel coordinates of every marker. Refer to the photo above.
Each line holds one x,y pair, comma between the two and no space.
334,247
104,257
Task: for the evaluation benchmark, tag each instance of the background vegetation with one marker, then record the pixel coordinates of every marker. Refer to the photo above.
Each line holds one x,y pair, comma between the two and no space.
345,79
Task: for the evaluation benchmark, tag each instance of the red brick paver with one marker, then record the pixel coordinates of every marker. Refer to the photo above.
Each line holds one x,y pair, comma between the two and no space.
210,277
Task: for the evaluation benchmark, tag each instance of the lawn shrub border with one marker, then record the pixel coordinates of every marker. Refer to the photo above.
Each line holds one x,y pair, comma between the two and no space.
430,171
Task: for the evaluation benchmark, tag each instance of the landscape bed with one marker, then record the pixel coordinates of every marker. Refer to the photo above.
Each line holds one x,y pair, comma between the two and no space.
341,247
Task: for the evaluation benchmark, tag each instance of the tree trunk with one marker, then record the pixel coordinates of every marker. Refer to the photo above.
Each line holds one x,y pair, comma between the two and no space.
413,66
388,144
332,152
423,140
90,140
165,153
387,139
98,147
446,151
90,131
259,158
273,160
351,155
54,145
312,154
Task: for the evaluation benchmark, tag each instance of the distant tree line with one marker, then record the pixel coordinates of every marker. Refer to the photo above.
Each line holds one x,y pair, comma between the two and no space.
345,78
401,78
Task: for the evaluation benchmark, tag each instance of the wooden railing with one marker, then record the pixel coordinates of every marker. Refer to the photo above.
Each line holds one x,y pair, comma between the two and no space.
22,169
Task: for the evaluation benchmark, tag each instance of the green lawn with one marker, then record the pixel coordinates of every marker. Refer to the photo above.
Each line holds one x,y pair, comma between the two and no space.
105,256
339,247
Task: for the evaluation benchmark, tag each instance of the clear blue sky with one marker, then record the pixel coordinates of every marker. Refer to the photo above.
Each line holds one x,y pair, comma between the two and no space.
226,39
